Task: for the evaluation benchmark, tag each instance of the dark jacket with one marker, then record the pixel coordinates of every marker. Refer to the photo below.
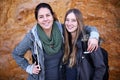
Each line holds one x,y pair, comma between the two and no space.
89,66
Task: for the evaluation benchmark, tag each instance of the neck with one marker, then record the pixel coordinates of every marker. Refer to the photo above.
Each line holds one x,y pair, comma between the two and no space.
48,32
73,36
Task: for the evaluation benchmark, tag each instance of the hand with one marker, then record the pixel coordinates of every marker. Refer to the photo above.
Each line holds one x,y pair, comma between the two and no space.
36,69
92,44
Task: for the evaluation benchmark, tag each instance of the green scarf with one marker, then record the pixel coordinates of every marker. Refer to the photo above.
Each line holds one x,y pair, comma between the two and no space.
53,44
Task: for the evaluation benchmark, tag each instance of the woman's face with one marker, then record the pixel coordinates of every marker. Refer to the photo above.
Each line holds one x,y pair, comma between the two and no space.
45,18
71,23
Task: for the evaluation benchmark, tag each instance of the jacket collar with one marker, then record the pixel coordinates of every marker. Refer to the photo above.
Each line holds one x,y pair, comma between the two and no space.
79,42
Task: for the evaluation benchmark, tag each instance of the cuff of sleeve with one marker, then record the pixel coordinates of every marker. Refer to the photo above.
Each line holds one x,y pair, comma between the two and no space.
94,34
29,69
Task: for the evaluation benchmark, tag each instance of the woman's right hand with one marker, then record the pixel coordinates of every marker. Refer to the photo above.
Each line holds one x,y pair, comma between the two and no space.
36,69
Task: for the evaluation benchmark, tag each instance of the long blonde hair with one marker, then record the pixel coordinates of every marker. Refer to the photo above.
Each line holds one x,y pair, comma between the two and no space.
70,55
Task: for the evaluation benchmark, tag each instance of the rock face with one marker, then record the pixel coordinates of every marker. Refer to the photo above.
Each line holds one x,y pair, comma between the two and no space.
17,18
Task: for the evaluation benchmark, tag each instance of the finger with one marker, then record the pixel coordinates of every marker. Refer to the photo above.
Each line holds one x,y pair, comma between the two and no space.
89,47
92,48
96,47
36,72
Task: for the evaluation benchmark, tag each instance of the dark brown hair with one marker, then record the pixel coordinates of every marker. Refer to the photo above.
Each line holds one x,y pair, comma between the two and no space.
44,5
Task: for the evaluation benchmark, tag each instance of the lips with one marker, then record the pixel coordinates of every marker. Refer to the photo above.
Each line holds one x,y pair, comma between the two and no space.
69,27
46,24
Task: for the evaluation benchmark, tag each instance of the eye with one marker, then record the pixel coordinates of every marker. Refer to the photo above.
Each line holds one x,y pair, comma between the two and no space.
40,17
47,15
67,19
73,20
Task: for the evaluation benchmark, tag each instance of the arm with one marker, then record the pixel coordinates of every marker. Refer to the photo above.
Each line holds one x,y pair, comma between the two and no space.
20,50
93,39
92,31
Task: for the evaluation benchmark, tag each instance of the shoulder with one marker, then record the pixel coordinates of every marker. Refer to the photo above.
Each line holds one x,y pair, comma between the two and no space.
30,34
60,26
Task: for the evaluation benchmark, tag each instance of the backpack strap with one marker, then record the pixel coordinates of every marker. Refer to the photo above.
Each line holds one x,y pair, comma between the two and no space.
105,58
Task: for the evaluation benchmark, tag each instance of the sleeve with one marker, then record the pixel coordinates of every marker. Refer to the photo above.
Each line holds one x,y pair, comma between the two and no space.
29,69
92,31
20,50
99,65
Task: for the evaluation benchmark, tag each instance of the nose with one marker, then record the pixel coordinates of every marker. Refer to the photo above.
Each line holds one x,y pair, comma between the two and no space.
69,22
45,18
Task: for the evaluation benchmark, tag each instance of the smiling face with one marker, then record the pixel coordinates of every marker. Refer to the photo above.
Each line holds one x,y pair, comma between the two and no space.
71,23
45,18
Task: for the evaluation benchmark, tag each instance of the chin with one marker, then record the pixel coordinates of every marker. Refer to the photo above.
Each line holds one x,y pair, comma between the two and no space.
47,27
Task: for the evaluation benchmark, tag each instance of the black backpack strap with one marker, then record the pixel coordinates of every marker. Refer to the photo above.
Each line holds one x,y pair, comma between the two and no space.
105,58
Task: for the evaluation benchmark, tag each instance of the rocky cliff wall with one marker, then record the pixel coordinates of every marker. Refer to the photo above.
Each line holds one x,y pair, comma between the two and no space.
17,18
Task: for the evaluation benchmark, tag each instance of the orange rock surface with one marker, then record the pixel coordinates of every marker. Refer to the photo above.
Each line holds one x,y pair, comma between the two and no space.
17,18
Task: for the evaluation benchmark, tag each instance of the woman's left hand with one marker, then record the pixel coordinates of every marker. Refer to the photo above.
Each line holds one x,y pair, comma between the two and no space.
92,44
